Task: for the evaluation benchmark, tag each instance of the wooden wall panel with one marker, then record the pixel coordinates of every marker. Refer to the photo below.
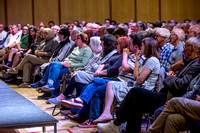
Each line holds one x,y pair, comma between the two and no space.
46,10
97,10
72,10
19,11
2,11
147,10
123,11
180,9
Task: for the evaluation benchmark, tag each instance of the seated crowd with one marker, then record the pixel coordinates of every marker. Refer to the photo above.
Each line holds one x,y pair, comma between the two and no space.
143,67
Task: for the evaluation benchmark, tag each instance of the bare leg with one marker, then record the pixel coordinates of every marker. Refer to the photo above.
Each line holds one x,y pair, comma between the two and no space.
106,115
16,59
12,51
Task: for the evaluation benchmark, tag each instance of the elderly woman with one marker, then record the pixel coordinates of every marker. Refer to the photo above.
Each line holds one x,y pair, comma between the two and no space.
165,49
42,54
78,58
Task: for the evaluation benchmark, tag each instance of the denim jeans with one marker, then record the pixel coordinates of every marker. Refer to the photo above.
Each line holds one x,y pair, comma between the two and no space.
91,88
54,72
93,108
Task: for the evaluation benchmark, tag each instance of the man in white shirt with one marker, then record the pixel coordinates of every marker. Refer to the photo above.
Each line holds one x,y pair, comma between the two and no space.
3,33
12,40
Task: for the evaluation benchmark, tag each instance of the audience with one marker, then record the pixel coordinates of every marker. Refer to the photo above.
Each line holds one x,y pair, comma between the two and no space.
102,67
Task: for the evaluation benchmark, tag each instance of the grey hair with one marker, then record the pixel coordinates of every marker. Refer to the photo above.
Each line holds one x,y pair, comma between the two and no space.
95,44
164,33
180,33
78,30
194,41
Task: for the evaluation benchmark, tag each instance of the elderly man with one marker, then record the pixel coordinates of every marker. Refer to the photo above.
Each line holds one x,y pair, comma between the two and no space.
193,31
139,100
177,39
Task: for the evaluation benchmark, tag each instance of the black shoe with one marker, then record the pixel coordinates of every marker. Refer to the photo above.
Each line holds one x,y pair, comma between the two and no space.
45,96
12,80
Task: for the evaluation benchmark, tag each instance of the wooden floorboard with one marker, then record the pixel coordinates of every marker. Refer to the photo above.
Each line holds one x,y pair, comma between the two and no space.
64,125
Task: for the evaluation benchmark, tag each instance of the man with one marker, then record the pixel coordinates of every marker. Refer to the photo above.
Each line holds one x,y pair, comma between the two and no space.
11,41
3,33
139,101
177,40
193,31
101,30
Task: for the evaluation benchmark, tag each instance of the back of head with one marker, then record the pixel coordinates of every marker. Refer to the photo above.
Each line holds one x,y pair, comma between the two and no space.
123,42
119,32
95,44
110,43
180,34
151,47
136,39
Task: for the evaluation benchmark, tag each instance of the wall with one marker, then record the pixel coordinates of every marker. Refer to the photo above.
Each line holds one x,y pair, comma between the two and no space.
61,11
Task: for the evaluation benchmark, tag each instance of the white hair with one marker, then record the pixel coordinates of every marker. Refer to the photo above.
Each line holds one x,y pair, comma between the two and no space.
95,44
164,33
180,33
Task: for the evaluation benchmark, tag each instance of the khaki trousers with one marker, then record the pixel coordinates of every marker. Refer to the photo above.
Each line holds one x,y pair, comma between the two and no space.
180,114
27,63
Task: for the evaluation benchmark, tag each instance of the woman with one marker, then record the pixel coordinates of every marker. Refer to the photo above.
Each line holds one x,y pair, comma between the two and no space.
22,49
81,78
42,54
165,49
78,58
98,84
146,77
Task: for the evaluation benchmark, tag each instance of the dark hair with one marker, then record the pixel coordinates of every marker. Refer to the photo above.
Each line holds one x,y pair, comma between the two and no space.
151,47
89,34
142,24
110,30
136,38
113,22
30,38
110,43
84,37
157,24
119,32
64,32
